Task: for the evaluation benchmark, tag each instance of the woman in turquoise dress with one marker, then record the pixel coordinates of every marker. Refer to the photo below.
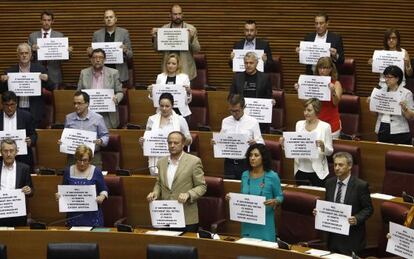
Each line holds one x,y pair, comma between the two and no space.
261,180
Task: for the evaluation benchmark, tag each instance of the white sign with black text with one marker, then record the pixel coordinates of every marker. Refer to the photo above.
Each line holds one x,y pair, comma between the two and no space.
300,144
172,39
167,214
247,208
77,198
310,52
401,242
72,138
230,145
155,143
238,60
260,109
101,100
25,84
385,102
53,48
333,217
113,51
12,203
314,87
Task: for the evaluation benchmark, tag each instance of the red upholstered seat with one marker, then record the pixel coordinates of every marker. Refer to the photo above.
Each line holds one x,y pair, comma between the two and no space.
276,73
399,173
49,114
123,111
195,145
349,110
112,154
356,156
201,80
199,109
347,75
279,112
276,155
114,208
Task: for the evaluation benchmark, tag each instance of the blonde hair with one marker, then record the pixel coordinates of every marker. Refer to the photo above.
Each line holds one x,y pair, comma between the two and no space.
81,150
173,55
326,62
316,104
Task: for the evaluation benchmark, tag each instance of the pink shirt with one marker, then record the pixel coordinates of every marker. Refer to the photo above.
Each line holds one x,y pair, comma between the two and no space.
97,79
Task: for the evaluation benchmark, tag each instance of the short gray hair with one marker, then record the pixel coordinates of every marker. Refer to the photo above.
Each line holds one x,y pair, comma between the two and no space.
8,141
251,54
24,45
345,155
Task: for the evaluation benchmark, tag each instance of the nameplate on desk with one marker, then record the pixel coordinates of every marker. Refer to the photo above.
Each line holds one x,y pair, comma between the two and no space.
81,228
164,233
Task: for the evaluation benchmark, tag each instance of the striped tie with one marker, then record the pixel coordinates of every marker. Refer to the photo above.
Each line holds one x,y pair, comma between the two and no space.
339,192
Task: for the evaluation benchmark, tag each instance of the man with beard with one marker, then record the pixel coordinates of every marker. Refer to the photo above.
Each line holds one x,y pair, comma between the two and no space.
186,57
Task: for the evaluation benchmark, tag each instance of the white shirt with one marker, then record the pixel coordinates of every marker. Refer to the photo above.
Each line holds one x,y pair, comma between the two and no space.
172,169
9,123
321,38
250,45
48,33
343,189
245,125
24,101
8,177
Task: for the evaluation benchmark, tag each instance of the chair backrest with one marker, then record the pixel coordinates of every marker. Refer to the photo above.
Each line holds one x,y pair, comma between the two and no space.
131,73
195,145
411,124
399,173
171,251
199,109
279,112
347,75
349,110
49,112
297,222
114,208
391,212
112,154
276,155
211,206
409,80
356,157
72,250
123,110
3,251
201,80
276,73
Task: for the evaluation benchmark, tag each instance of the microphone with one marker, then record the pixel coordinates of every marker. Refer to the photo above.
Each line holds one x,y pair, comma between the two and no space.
407,198
42,225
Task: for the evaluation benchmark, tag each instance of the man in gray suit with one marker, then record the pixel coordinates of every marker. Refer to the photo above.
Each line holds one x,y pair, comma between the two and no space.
113,33
98,76
186,57
53,66
180,177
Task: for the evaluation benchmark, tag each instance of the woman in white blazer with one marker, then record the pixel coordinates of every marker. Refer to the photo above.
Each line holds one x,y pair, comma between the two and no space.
172,76
314,170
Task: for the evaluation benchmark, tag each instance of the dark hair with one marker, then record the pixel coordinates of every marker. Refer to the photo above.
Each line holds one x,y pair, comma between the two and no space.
264,152
387,35
179,133
84,94
99,50
48,13
167,96
251,22
8,96
394,71
234,99
323,14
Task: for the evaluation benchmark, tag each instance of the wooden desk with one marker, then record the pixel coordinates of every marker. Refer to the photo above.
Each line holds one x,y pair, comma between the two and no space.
29,244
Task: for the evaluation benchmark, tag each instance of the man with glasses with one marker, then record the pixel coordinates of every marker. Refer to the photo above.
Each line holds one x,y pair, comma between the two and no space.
85,119
12,119
99,76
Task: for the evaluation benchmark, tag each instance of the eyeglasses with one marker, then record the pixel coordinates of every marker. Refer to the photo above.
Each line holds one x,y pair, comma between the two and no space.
83,160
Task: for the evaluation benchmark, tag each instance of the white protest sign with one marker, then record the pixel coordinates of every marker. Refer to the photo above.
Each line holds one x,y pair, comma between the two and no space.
260,109
19,136
247,208
155,143
300,145
385,58
12,203
25,84
401,242
101,100
167,214
173,39
77,198
230,145
333,217
53,48
310,52
72,138
178,91
314,87
113,51
238,60
385,102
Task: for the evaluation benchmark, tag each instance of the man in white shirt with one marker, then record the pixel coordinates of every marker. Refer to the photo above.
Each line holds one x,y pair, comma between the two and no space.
239,122
13,175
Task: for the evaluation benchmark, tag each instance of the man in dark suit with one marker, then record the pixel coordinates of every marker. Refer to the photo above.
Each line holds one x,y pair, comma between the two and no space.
34,104
323,35
251,42
350,190
15,119
13,175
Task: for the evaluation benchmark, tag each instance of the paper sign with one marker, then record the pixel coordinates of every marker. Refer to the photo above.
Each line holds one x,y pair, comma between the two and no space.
238,60
178,91
101,100
113,51
385,102
25,84
12,203
260,109
385,58
19,136
310,52
314,87
401,242
155,143
172,39
53,49
77,198
72,138
333,217
167,214
230,145
300,145
247,208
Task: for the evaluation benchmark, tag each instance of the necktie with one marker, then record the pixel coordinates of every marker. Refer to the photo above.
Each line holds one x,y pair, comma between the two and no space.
45,35
339,192
44,62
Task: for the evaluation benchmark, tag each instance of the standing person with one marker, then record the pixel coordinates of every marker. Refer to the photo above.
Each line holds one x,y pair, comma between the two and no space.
99,76
14,175
180,177
113,33
172,75
261,180
54,68
83,173
251,42
186,57
313,170
350,190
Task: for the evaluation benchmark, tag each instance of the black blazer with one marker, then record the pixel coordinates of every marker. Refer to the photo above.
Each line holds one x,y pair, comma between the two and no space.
263,85
336,43
37,105
357,195
260,44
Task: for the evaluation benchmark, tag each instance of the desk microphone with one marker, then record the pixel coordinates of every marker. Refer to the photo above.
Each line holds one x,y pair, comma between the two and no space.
42,225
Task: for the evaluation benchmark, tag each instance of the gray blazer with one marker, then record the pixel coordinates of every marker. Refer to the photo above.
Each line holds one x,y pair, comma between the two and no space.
53,66
121,35
111,81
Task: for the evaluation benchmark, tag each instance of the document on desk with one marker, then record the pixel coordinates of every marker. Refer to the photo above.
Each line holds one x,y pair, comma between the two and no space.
238,60
72,138
19,136
25,84
247,208
101,100
257,242
230,145
300,144
77,198
12,203
164,233
167,214
260,109
333,217
401,242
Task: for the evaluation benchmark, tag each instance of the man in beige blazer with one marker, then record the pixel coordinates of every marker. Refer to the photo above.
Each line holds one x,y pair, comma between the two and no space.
180,177
98,76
